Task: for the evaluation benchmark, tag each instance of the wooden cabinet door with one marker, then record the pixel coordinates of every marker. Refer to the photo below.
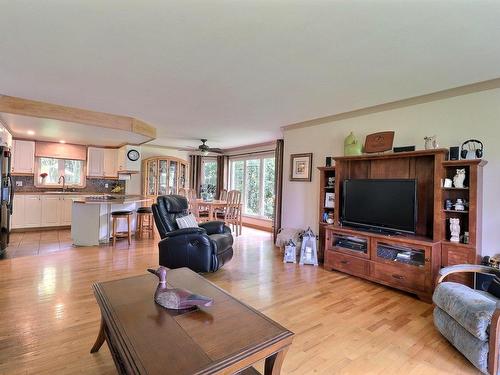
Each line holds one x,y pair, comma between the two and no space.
452,254
23,157
17,219
32,211
110,162
50,210
95,162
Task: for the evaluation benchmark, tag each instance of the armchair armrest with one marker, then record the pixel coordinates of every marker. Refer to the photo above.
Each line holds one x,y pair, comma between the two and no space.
214,227
181,232
460,268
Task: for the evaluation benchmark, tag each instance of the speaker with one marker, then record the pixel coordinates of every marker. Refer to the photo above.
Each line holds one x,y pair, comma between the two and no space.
454,153
328,161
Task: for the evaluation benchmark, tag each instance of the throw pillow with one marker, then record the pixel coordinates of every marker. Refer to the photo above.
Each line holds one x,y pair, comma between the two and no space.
188,221
494,287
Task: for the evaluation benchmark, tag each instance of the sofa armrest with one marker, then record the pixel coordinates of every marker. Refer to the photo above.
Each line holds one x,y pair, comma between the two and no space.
214,227
184,231
460,268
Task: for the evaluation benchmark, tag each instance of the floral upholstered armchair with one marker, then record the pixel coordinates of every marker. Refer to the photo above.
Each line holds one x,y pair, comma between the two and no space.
469,318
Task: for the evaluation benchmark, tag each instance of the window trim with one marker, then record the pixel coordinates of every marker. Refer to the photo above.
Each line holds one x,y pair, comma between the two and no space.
36,176
244,158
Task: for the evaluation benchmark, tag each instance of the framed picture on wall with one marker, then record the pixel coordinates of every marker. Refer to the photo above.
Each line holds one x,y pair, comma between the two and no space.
301,167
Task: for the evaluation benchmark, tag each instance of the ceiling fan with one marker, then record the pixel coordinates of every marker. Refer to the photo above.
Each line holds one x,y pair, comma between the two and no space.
205,149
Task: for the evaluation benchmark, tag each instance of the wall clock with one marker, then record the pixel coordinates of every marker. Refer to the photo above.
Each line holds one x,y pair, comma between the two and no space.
133,155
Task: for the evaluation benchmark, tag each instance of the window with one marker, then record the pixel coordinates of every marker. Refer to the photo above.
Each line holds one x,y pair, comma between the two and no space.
254,177
72,170
209,172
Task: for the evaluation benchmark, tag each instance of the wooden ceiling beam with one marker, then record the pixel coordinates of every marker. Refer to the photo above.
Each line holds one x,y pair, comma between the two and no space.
32,108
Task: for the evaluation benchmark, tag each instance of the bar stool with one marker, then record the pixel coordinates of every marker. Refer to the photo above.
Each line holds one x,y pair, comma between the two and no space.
121,215
145,221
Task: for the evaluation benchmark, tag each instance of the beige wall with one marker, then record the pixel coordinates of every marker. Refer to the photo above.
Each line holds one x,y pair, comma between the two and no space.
134,185
453,120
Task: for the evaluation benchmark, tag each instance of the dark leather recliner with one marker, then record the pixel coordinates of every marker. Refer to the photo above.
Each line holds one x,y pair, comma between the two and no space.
203,249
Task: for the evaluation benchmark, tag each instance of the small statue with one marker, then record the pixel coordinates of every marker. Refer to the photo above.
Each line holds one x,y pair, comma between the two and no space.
431,143
459,205
352,146
455,230
176,299
458,180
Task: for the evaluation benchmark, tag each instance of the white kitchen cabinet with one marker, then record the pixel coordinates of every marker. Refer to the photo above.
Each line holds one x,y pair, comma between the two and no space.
110,161
23,157
17,218
51,210
102,162
125,163
32,211
65,205
95,162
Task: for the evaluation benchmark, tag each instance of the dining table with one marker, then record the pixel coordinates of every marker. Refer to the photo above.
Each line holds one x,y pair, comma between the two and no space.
214,205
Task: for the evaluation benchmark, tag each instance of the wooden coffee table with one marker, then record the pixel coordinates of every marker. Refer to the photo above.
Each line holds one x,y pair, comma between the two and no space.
225,338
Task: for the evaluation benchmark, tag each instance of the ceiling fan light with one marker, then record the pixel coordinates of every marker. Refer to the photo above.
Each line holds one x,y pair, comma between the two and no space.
204,152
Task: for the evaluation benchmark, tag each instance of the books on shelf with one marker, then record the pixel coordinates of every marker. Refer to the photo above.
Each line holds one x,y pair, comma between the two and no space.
329,200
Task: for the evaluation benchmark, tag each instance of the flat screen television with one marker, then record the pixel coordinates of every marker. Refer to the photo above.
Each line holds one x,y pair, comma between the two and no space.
382,204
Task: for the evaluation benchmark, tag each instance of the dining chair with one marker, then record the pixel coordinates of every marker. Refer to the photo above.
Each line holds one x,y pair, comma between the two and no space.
223,195
232,214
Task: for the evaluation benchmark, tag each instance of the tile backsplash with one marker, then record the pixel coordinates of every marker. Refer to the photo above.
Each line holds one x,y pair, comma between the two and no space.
94,185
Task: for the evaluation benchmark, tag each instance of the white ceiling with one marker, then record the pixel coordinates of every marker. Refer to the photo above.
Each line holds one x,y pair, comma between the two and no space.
42,129
235,71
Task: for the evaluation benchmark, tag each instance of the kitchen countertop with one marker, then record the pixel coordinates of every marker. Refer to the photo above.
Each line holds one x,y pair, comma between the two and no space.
59,192
117,199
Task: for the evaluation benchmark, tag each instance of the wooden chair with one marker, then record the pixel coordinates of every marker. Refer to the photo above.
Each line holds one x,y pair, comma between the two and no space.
232,211
223,195
184,192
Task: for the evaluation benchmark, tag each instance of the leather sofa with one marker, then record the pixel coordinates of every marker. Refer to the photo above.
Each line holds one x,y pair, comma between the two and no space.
202,249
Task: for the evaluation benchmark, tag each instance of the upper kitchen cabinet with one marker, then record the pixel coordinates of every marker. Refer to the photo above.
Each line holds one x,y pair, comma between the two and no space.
101,162
129,159
23,157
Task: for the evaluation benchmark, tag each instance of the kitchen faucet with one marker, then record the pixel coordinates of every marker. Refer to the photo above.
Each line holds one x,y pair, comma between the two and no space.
64,182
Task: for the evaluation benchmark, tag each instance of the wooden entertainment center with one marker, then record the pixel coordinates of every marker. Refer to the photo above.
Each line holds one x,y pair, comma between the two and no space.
407,262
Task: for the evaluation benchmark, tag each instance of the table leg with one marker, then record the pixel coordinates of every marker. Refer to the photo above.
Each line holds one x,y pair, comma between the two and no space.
100,337
211,211
273,363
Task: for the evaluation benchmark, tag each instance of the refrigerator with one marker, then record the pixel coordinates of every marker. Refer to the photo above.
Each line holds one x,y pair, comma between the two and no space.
7,197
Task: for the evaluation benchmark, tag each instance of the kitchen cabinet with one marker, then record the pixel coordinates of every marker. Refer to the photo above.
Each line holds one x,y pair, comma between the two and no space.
129,159
32,211
102,162
50,210
17,218
109,164
95,162
66,205
23,157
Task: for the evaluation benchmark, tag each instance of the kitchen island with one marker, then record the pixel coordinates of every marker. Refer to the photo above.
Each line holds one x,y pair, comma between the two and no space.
91,217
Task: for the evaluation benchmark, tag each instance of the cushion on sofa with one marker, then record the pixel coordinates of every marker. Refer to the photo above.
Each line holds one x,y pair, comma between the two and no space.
188,221
472,310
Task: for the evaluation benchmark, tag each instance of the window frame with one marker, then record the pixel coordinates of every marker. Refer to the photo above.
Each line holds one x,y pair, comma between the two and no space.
61,170
261,157
210,159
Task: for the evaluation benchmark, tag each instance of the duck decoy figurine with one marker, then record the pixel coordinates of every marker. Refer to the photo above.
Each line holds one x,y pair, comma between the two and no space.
175,298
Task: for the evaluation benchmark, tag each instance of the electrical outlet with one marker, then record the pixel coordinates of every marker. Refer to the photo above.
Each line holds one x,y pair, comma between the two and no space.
106,185
19,183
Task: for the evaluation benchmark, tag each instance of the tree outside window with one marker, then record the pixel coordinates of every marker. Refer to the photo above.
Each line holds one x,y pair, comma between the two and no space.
209,176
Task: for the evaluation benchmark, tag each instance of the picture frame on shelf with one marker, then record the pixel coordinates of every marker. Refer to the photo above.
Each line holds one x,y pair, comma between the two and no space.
301,167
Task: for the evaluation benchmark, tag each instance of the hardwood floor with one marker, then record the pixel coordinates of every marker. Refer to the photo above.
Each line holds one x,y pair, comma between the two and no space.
343,325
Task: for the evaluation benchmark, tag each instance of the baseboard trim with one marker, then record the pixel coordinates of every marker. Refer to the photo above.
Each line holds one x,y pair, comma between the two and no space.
259,227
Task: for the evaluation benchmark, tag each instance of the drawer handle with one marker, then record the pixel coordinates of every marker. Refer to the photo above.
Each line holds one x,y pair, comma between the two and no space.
399,277
344,262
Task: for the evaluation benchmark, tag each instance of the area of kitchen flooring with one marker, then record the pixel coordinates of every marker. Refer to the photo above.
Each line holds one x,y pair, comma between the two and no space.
38,243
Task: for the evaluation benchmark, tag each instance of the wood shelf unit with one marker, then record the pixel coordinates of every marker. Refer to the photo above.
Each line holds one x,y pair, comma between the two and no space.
384,260
324,174
409,262
470,220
